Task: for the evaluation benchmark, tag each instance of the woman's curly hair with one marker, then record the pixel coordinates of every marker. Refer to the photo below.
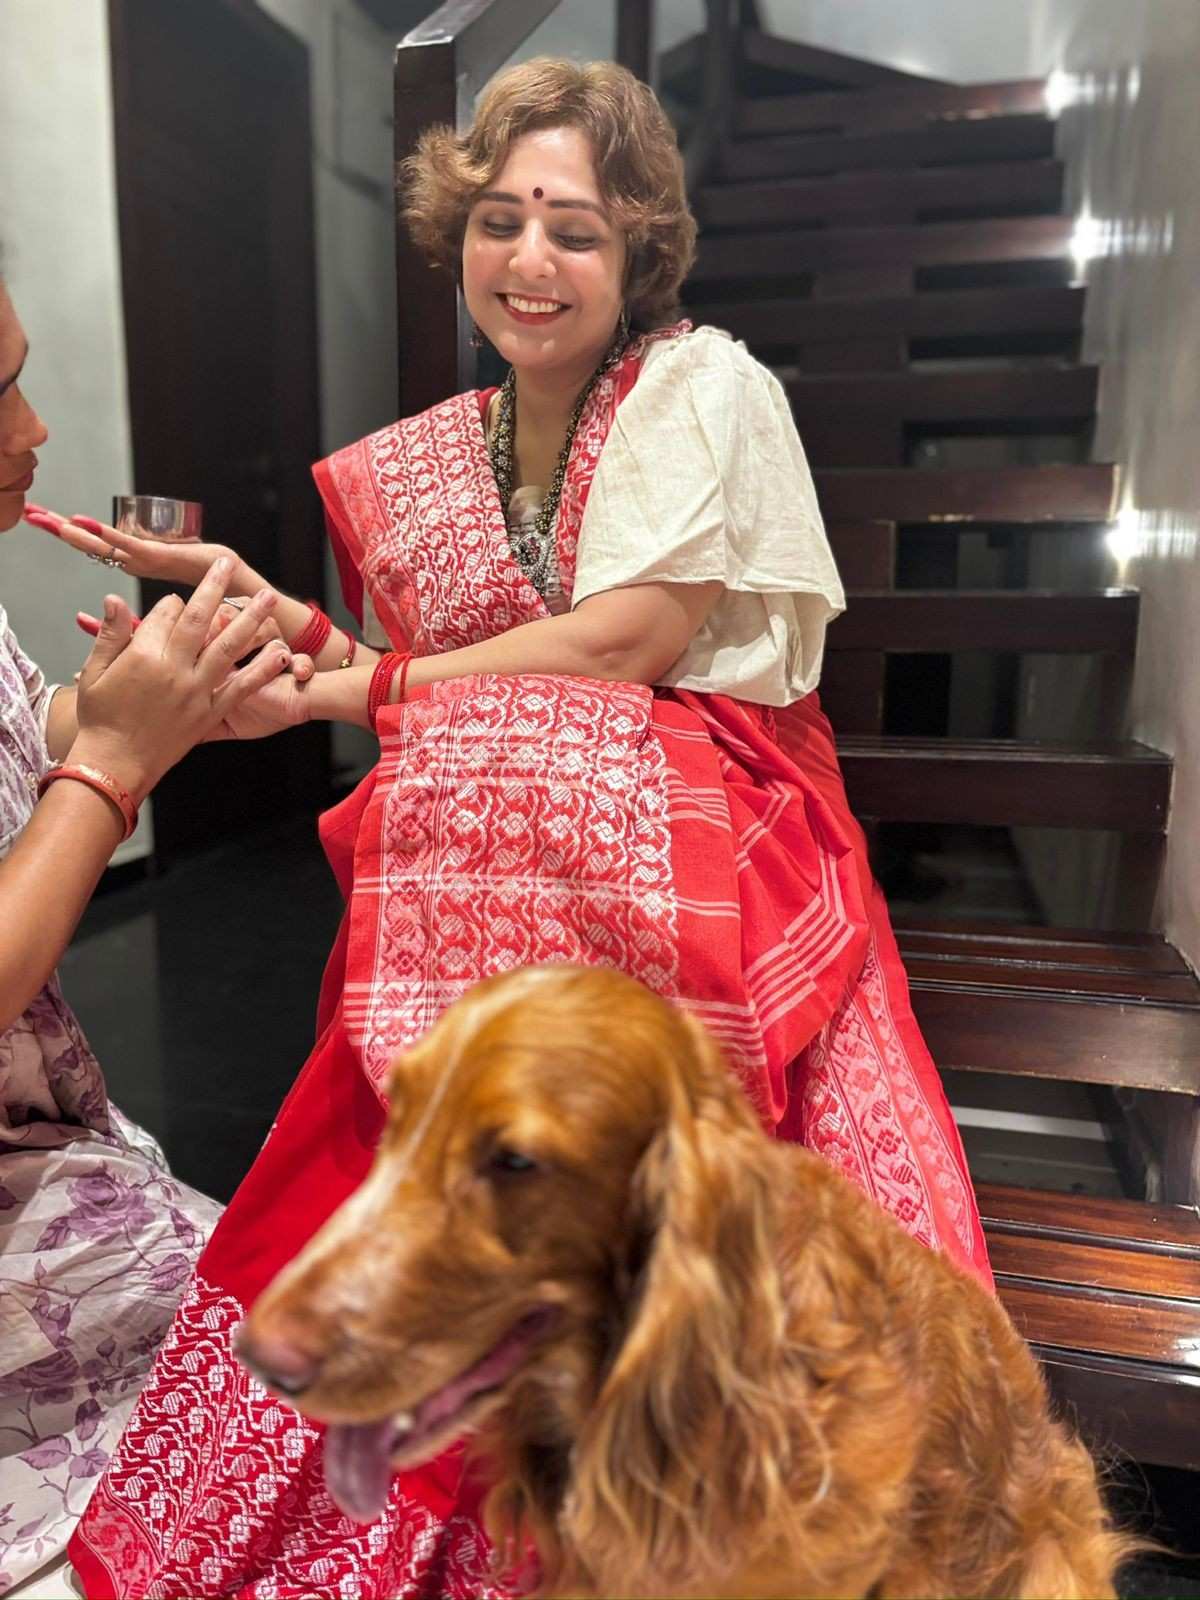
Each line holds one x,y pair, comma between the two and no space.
638,169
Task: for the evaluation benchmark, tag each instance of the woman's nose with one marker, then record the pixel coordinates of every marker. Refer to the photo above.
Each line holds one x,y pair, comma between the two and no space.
22,429
531,257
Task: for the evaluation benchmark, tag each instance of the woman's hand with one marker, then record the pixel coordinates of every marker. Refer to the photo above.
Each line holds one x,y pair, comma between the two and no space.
282,703
227,612
146,698
166,560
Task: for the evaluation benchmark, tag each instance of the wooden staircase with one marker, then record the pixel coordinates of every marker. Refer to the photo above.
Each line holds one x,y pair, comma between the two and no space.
893,248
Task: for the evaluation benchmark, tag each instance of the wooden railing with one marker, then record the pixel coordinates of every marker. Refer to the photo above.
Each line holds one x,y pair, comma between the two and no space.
440,68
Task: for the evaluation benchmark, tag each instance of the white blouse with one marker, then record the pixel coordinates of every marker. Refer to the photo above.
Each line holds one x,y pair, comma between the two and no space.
703,477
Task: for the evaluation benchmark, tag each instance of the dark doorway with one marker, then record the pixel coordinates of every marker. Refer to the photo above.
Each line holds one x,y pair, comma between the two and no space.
214,182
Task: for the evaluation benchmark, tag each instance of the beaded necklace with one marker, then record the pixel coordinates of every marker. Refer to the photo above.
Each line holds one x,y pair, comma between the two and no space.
533,547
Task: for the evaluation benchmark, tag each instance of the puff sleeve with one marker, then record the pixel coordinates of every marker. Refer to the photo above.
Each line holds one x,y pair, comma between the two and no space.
703,477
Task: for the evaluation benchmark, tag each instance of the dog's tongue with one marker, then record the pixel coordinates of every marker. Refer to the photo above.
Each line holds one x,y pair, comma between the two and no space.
358,1466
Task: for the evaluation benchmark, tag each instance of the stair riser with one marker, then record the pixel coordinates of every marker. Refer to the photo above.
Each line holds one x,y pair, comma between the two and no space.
1029,496
998,139
880,109
728,257
1082,1041
955,620
1005,188
999,790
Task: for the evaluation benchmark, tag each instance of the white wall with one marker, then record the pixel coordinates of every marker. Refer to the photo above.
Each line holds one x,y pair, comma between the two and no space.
1131,148
58,226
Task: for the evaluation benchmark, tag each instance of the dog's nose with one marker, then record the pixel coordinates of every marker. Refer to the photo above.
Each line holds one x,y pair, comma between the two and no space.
275,1361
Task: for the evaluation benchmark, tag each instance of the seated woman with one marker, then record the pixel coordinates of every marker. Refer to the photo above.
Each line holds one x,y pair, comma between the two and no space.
604,590
97,1240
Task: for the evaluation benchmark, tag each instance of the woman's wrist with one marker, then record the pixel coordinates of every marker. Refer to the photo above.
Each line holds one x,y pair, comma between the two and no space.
108,755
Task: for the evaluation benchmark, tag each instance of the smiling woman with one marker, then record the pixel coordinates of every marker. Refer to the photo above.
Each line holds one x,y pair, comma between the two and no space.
601,593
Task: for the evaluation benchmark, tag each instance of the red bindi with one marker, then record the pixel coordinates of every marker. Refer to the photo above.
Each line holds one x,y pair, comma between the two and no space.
537,194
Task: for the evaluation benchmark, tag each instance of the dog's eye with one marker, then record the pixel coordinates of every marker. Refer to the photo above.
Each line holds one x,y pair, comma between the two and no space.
505,1160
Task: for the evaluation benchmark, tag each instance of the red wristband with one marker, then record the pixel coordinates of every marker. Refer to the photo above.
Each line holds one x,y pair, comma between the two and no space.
351,651
311,639
103,783
381,683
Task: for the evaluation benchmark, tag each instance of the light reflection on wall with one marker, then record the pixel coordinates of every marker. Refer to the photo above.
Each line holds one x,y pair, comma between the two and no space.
1155,535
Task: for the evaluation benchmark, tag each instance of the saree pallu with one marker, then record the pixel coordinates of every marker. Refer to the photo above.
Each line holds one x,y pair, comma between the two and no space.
699,843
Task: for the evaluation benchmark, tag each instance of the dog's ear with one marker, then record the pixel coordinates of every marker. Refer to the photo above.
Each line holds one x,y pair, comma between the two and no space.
687,1444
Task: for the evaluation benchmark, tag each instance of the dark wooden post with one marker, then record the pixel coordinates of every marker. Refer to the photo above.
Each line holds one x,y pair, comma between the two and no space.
440,68
721,43
635,38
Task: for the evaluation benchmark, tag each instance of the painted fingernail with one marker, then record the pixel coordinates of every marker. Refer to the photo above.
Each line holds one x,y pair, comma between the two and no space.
31,505
90,523
42,519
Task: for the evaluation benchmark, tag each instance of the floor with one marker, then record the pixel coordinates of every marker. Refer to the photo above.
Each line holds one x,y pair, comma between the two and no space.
197,990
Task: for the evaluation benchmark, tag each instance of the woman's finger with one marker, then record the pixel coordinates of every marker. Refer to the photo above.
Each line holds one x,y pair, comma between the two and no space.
194,622
266,666
115,633
158,624
236,639
86,543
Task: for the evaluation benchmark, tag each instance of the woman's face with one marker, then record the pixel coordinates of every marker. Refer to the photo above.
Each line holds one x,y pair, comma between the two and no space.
21,429
543,263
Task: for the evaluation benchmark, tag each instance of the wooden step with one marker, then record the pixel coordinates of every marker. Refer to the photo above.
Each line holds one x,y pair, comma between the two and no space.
1108,1294
1076,1006
931,621
992,188
1091,949
1022,138
761,49
955,314
778,254
1018,399
1006,496
770,61
1007,782
893,106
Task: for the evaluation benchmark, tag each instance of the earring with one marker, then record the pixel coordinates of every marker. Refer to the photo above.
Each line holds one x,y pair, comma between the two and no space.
623,325
476,340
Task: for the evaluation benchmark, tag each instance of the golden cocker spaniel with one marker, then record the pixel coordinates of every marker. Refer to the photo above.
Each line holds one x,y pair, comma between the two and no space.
699,1361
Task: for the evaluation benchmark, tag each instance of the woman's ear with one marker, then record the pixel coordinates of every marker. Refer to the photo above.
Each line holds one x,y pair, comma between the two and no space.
687,1442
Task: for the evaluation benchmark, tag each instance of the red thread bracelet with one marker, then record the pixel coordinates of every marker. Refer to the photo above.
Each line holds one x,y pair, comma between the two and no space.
103,783
311,639
351,651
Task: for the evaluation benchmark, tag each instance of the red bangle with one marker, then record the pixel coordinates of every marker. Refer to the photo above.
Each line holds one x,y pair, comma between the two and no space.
311,639
381,683
403,695
351,651
103,783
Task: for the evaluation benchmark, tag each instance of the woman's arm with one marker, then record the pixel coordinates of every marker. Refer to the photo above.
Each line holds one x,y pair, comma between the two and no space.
622,636
184,562
143,701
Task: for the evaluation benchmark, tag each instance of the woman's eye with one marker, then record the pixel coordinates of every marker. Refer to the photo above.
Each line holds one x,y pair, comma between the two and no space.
576,241
500,230
505,1160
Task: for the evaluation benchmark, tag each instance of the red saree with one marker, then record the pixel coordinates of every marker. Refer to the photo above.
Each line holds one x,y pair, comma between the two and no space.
700,843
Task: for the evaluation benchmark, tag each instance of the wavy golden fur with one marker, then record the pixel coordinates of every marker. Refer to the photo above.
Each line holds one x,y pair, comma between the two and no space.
745,1380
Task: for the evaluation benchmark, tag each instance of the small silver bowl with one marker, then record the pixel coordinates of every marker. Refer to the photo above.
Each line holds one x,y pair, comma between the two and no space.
157,516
